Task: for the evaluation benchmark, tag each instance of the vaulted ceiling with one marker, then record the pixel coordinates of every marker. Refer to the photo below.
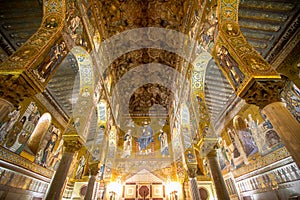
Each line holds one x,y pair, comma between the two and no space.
119,16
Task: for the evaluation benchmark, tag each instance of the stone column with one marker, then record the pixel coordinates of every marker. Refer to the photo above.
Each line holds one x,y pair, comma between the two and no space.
72,144
93,169
192,170
216,173
194,189
286,126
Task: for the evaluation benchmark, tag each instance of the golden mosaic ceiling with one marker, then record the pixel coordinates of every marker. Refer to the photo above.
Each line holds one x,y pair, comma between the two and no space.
264,25
269,26
119,16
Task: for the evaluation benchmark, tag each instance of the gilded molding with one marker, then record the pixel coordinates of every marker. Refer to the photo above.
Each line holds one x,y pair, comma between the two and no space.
11,157
262,162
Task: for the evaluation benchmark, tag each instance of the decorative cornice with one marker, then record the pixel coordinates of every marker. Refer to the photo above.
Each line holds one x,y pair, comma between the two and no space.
10,157
286,44
262,162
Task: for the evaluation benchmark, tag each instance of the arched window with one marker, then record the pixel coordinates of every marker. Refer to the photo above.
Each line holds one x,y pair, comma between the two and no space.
39,132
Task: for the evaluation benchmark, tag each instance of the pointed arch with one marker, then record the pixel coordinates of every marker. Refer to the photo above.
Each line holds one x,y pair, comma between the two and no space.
85,102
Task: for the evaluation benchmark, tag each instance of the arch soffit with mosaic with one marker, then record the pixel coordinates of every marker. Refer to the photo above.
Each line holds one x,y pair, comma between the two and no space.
253,74
198,82
21,62
17,78
37,45
85,103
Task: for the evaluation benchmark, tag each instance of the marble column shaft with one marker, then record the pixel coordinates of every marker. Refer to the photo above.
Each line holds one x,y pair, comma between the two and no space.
93,169
286,126
216,173
90,188
194,189
72,143
56,189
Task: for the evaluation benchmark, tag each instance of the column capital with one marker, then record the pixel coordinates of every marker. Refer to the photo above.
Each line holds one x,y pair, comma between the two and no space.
206,145
213,153
191,162
72,140
94,168
192,170
72,143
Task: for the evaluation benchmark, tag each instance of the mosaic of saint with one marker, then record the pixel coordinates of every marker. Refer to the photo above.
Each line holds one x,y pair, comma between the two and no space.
248,135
